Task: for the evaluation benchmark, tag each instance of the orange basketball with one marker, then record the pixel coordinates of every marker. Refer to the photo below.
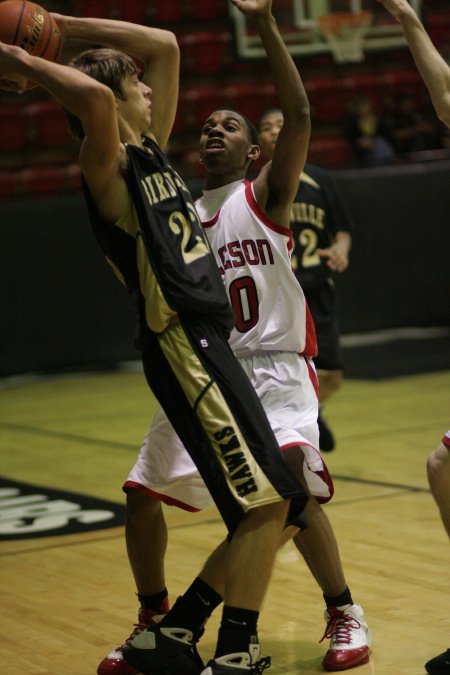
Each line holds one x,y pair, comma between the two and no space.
31,27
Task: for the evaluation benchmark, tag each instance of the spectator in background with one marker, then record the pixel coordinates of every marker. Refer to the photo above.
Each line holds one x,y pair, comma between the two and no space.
367,134
411,131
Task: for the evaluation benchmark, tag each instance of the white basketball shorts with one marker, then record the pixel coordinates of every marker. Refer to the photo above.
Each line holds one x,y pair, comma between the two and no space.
287,386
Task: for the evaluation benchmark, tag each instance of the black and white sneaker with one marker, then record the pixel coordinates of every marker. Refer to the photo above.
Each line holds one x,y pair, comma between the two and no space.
440,665
164,650
241,663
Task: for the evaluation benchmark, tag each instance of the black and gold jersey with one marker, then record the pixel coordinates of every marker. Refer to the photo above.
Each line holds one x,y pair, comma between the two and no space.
158,249
317,214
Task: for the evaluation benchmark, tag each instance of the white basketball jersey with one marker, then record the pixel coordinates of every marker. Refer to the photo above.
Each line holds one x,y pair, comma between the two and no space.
254,259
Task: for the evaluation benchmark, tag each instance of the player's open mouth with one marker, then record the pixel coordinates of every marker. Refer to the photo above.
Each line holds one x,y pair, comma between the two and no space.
214,147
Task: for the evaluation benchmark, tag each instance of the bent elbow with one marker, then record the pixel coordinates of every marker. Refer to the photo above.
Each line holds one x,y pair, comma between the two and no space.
170,43
98,102
102,97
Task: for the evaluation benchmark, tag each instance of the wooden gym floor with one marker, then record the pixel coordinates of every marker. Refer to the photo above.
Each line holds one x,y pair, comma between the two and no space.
67,600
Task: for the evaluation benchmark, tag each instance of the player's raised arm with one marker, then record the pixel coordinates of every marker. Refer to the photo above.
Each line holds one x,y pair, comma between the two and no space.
434,70
155,48
80,94
277,184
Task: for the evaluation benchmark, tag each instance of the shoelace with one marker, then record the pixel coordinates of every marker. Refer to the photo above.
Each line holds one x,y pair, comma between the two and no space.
139,627
261,665
339,629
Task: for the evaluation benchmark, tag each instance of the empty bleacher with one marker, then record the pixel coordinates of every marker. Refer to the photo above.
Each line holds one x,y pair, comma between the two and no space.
38,156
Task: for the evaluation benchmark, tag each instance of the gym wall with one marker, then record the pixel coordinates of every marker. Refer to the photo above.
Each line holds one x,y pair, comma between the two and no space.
62,308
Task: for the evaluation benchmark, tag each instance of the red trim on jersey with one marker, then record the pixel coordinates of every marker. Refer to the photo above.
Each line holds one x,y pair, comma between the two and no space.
250,197
213,221
446,439
310,335
170,501
312,374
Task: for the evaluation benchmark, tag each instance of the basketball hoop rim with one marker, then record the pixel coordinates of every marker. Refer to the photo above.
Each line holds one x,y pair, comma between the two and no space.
331,23
345,33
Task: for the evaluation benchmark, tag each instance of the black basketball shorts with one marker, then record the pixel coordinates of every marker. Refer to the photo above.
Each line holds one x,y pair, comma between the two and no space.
215,411
322,303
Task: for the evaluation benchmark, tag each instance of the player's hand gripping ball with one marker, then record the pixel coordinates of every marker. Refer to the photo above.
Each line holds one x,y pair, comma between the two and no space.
31,27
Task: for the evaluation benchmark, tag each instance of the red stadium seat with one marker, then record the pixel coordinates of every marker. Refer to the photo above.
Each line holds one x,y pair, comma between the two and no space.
197,104
94,8
179,124
134,11
204,53
48,124
369,85
330,152
250,99
168,11
403,80
206,10
46,180
438,27
327,97
13,128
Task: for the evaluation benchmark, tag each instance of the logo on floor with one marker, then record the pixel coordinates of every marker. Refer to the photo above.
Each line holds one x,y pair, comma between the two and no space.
30,511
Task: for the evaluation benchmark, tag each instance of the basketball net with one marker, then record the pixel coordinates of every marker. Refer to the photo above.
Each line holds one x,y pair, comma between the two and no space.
345,33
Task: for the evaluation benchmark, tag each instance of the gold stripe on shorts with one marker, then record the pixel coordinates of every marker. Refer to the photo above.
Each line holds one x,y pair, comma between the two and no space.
246,480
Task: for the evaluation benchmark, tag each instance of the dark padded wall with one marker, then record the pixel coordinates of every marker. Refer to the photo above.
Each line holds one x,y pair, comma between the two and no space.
400,262
62,307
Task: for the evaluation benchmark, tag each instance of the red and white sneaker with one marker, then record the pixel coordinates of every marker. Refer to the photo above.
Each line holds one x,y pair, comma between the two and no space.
349,638
114,663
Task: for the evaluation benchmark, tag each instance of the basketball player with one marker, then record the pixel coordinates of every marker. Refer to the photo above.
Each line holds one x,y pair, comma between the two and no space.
435,73
271,329
438,469
438,472
147,226
322,231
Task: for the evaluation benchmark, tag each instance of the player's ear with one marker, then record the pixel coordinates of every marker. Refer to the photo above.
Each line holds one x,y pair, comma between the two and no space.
254,152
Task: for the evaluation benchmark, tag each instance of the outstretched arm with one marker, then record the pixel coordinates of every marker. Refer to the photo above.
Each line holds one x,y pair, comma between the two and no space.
157,50
434,70
277,183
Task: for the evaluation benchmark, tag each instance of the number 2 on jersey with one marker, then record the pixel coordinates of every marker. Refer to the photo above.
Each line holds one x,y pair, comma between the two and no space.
179,224
309,258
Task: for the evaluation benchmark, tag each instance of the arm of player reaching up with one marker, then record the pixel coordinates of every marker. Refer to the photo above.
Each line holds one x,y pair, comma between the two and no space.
155,48
277,183
91,102
434,70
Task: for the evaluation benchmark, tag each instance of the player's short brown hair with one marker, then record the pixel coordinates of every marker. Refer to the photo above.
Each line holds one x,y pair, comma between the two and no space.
107,66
